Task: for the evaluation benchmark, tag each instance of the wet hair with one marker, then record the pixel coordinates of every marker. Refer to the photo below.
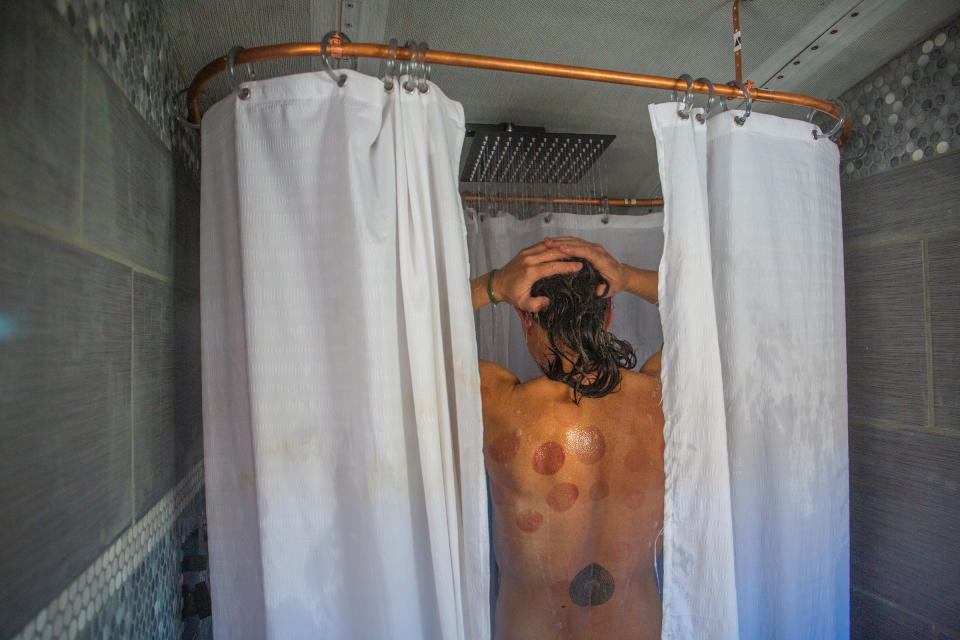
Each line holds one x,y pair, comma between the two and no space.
574,323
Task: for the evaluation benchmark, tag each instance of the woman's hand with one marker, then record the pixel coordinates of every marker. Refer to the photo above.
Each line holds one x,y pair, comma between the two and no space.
622,277
512,283
611,270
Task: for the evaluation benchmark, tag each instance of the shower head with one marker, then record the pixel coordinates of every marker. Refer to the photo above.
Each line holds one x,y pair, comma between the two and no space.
530,155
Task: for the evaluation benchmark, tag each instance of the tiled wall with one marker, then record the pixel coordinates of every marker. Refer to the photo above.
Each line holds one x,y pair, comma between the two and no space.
902,249
908,110
100,435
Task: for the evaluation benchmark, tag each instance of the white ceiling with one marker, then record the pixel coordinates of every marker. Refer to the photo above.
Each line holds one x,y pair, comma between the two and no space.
660,38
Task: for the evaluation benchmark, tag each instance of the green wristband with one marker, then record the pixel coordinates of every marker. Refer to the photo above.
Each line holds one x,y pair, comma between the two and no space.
493,298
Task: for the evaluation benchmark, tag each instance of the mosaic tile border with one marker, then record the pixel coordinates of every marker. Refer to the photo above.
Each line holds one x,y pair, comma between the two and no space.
107,598
908,110
127,38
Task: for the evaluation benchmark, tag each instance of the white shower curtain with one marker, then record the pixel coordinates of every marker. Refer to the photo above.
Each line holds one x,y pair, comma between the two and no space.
342,425
494,240
756,541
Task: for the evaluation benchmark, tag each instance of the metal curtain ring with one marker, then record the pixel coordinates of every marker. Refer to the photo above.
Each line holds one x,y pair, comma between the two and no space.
838,127
412,68
388,68
173,106
689,80
403,66
424,75
741,120
863,147
684,111
341,78
242,92
702,117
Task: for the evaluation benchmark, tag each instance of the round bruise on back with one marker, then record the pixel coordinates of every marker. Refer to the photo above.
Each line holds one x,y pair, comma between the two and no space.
587,443
563,496
599,490
529,520
504,448
548,458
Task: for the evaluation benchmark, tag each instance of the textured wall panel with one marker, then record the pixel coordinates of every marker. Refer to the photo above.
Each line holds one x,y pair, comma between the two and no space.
186,255
128,203
167,433
922,198
154,431
886,358
64,417
944,269
904,518
187,385
40,95
873,619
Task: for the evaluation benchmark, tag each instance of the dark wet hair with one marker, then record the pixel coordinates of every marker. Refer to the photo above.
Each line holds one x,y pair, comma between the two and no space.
574,323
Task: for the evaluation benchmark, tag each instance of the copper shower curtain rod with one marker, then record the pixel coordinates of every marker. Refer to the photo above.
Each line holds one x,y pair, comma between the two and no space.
367,50
596,202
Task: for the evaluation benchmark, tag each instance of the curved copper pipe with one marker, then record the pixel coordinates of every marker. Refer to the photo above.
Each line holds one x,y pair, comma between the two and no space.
613,202
366,50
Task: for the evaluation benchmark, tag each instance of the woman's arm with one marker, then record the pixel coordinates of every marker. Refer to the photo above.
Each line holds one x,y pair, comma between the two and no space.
512,282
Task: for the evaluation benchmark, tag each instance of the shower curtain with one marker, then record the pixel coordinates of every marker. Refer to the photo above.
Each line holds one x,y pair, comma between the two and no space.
494,240
756,541
342,426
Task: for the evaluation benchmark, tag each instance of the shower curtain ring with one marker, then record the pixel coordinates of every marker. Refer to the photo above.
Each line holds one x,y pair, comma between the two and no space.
424,75
838,127
412,67
741,120
242,92
606,210
684,111
388,68
337,39
173,107
702,117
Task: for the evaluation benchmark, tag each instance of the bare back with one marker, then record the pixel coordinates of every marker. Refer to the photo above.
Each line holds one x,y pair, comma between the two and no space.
578,503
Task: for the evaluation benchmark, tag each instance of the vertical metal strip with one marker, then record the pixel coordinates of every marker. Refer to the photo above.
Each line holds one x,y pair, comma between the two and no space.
737,56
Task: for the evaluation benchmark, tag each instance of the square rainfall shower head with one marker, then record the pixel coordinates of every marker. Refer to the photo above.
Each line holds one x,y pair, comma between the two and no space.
531,155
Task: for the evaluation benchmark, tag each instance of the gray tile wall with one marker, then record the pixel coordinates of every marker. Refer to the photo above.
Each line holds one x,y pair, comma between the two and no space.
99,321
902,255
908,110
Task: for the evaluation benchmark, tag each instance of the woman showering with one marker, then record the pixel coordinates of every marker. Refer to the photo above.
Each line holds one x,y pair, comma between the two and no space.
574,457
